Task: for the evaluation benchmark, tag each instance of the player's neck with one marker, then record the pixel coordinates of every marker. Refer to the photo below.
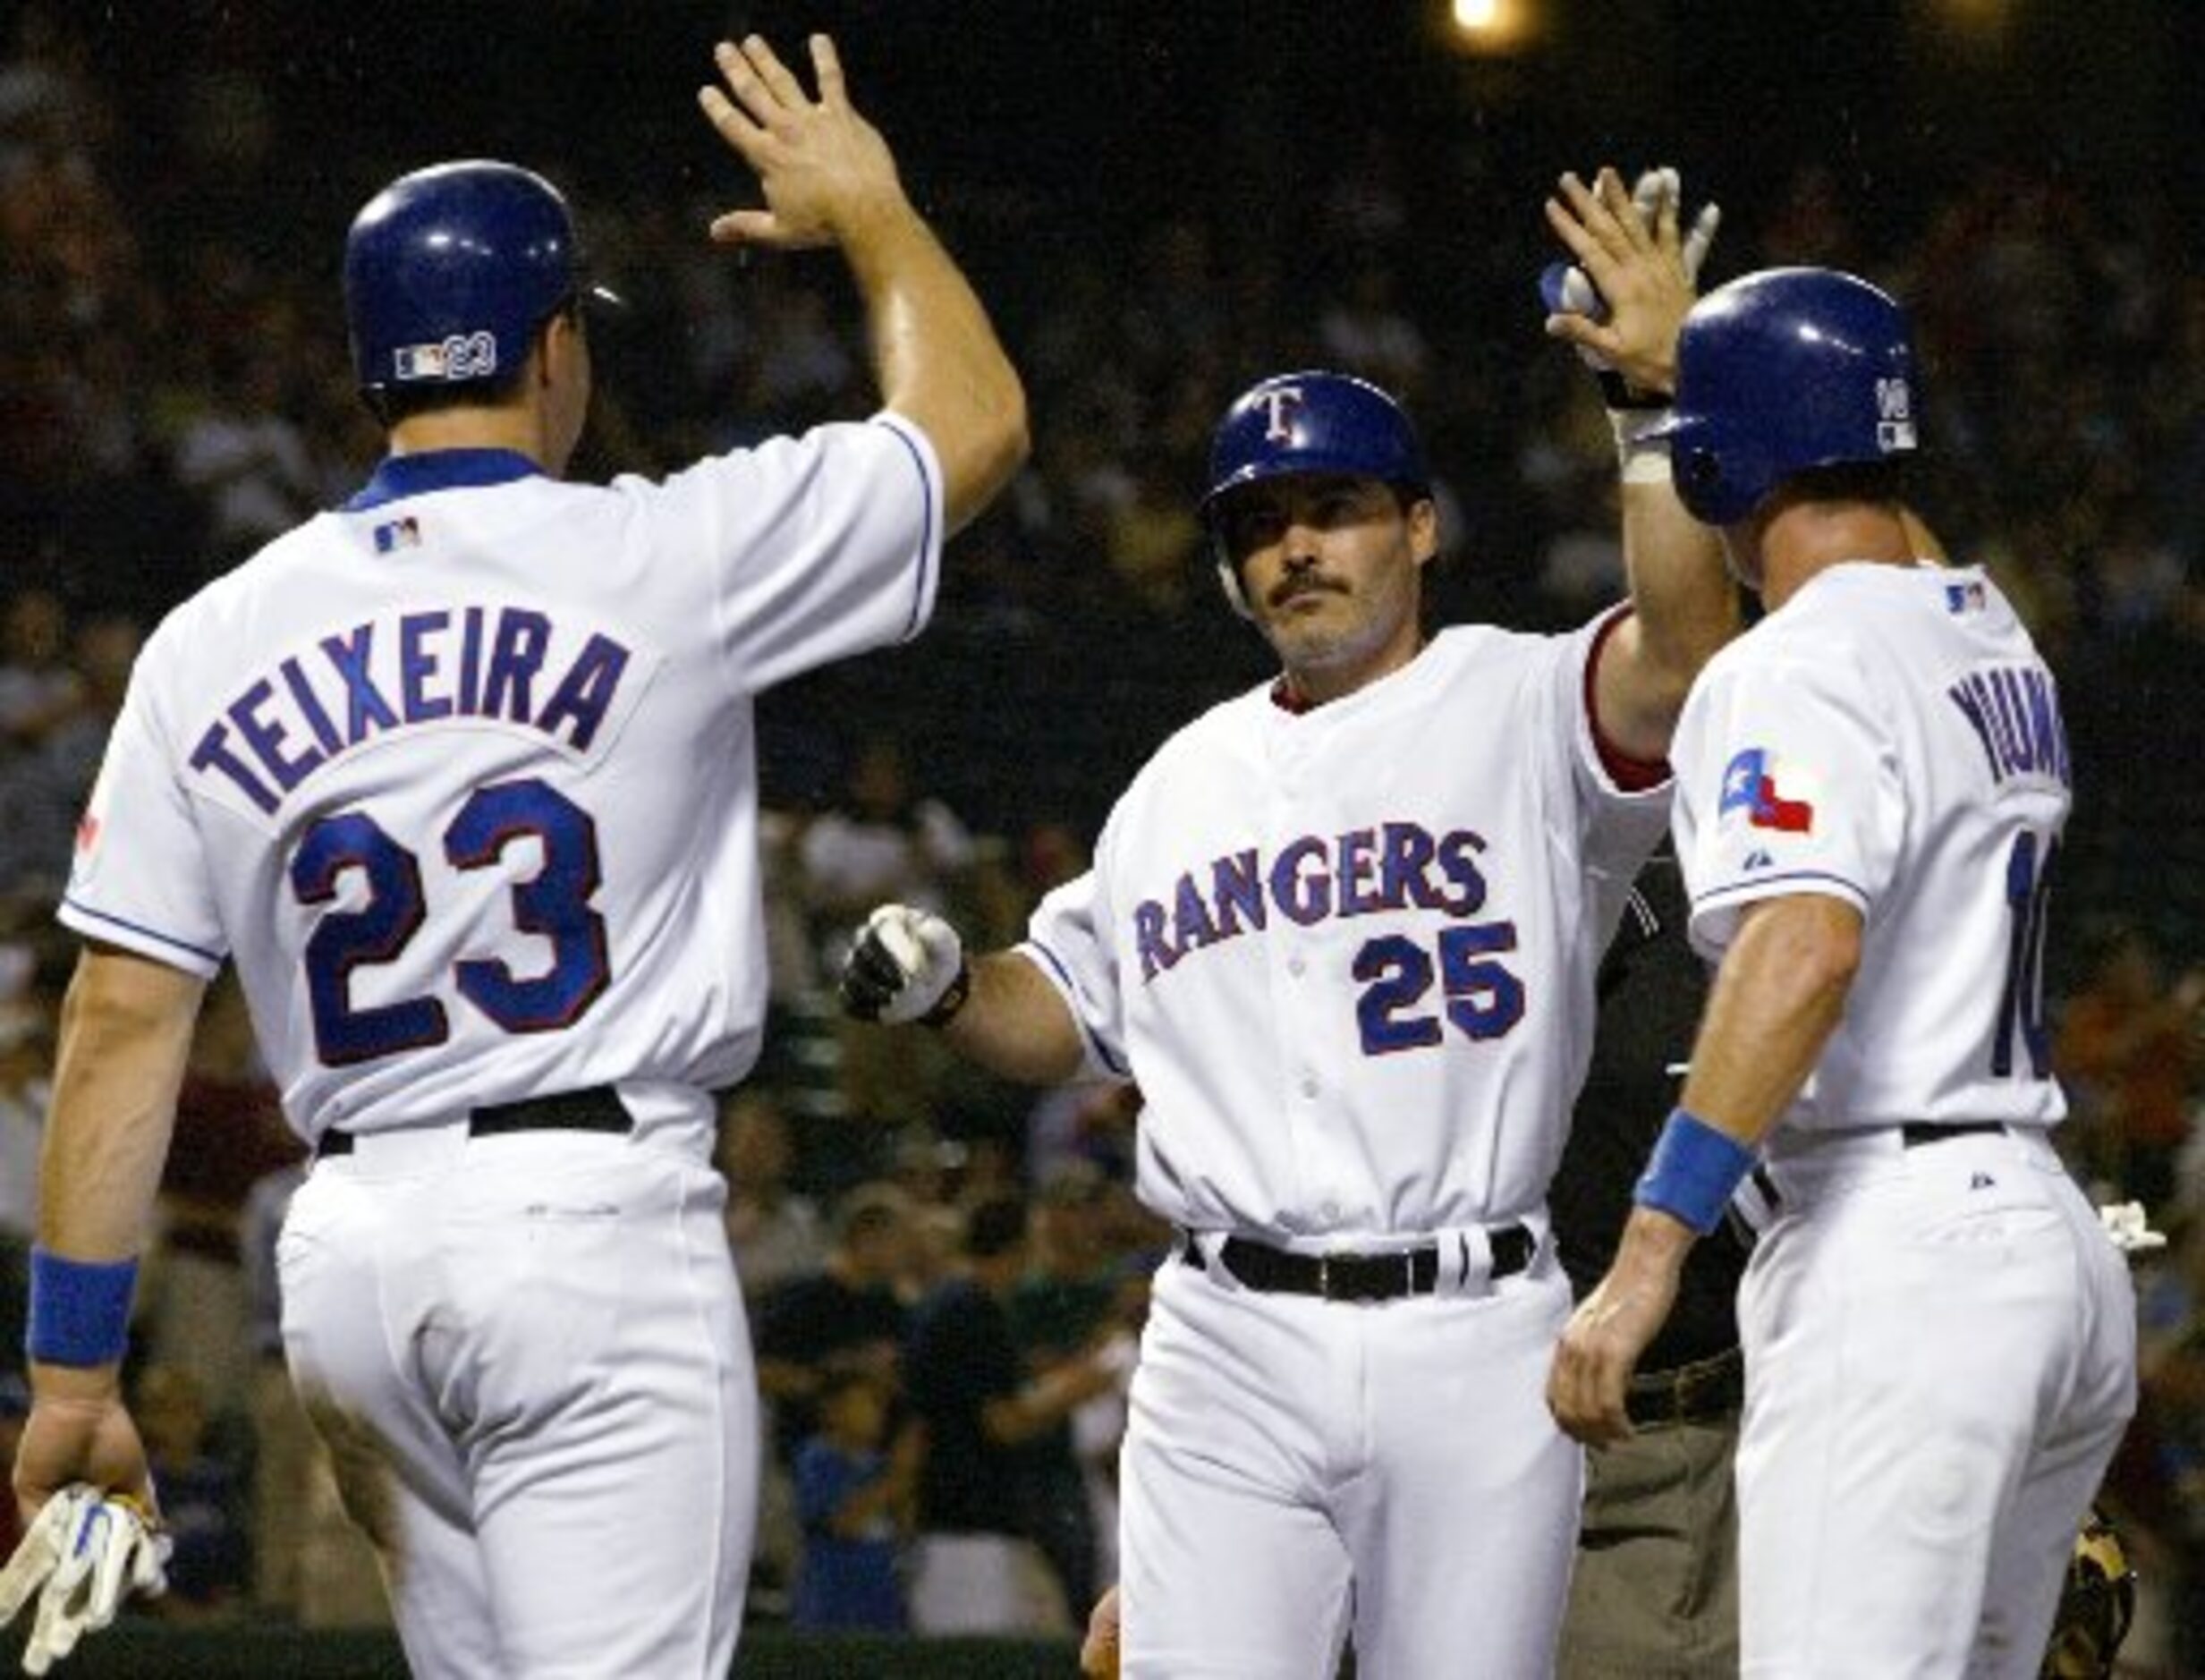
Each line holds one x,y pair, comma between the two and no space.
516,427
1804,539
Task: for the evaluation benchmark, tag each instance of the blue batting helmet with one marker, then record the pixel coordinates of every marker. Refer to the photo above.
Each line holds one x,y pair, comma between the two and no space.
1307,422
1313,422
1782,371
450,270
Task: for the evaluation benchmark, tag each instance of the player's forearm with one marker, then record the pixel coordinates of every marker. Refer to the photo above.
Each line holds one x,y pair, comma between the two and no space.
1685,607
937,359
1777,997
125,1032
1015,1024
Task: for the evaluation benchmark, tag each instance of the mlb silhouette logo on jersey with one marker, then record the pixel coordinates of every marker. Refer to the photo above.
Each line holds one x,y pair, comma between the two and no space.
1750,784
1965,598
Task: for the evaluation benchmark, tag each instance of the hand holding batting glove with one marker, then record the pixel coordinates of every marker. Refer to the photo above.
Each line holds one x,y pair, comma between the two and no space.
83,1555
1637,273
908,964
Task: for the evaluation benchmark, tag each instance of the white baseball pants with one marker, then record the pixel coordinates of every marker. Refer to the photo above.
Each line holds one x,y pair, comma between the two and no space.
528,1354
1294,1466
1940,1360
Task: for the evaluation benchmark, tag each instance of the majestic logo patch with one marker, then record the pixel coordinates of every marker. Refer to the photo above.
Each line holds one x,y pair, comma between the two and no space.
1749,785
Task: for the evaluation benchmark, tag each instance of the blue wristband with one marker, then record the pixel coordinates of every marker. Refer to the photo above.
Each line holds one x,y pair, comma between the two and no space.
80,1310
1692,1171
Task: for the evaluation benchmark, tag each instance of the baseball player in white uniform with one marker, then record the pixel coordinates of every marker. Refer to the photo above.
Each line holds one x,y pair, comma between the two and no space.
1342,932
1939,1336
462,776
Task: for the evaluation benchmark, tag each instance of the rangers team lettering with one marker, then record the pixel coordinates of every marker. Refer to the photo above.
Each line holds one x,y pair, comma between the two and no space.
1358,873
1367,871
422,667
2014,712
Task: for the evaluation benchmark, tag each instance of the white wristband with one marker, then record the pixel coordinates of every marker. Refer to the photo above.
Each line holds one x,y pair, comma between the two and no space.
1640,459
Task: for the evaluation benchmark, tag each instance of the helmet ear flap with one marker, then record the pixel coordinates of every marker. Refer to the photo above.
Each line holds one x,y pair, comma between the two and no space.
1229,581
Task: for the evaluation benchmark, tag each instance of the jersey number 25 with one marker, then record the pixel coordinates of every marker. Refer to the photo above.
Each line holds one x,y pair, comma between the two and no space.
1483,999
552,904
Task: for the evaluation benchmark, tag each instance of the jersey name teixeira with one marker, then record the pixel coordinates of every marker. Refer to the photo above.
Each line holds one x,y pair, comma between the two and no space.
464,775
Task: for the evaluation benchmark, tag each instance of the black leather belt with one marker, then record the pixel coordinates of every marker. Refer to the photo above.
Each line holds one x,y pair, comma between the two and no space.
1277,1271
1701,1391
1914,1133
593,1108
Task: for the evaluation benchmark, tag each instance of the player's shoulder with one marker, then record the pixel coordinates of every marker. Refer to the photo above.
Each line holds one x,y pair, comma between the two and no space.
208,622
1457,647
882,444
1221,724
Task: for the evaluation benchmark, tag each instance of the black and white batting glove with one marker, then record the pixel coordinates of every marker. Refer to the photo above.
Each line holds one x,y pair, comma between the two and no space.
84,1553
908,964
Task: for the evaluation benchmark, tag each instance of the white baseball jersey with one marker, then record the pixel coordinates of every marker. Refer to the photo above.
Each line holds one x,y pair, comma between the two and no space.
1349,954
462,775
1939,1339
1808,761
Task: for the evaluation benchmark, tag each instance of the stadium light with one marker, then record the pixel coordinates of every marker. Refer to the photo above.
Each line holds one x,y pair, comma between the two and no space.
1492,25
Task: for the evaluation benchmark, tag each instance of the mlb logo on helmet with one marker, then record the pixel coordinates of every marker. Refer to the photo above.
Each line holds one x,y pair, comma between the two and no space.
461,356
1749,785
1894,416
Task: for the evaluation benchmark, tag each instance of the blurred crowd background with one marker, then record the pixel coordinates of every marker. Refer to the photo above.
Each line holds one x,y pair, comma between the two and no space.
1160,203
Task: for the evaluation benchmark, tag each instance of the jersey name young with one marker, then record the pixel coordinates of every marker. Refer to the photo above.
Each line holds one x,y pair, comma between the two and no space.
1365,871
2014,712
506,664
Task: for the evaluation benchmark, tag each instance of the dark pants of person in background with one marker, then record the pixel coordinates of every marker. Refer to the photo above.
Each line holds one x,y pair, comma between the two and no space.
1654,1594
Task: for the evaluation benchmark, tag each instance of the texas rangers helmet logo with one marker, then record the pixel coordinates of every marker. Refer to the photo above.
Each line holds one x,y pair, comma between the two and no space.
1749,785
1278,405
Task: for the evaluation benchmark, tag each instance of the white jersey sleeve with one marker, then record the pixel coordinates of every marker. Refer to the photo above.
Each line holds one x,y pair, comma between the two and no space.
781,603
1787,783
1621,826
1067,939
141,878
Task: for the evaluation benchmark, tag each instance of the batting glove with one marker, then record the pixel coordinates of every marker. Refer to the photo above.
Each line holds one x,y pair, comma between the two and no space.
2129,1228
1565,289
907,964
85,1552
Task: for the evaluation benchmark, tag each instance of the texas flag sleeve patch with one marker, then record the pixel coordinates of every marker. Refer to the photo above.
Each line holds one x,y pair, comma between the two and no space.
1749,785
